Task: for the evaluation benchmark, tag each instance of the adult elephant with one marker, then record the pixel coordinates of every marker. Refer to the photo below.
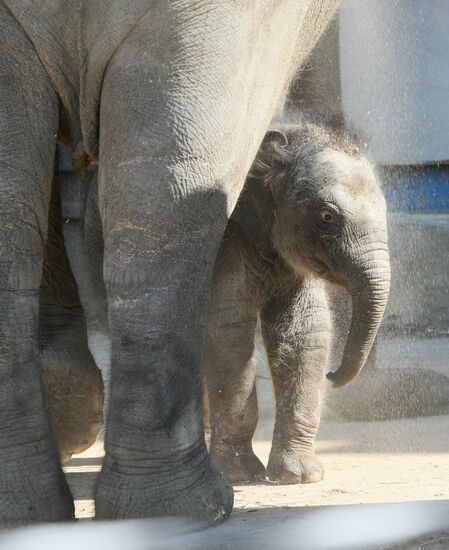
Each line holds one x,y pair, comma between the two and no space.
172,100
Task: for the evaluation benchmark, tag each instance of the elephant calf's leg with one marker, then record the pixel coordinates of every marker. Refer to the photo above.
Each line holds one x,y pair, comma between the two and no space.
230,368
231,438
72,381
32,485
229,362
296,331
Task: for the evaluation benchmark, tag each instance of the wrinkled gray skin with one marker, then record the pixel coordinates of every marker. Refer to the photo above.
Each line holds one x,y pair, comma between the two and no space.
377,394
311,211
275,258
172,100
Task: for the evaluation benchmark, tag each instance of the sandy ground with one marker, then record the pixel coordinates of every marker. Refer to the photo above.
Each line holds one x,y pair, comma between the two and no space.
392,461
382,462
386,487
379,462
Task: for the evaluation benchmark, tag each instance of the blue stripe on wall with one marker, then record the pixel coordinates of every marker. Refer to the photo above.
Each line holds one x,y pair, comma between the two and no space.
416,189
407,189
65,159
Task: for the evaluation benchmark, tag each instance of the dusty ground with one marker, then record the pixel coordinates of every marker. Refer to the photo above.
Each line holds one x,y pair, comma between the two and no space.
365,463
369,468
380,462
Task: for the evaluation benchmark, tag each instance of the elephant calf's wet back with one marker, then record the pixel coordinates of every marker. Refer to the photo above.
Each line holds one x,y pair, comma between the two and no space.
311,213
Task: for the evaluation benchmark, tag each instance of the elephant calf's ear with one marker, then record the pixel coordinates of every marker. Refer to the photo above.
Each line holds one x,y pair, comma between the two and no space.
271,152
275,137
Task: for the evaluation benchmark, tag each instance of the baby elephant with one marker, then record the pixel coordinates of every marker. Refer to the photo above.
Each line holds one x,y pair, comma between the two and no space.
311,213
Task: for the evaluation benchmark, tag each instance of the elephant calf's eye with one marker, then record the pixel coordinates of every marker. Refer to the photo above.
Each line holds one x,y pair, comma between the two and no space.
326,216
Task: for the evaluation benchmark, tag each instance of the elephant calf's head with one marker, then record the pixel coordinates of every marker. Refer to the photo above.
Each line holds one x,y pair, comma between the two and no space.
329,218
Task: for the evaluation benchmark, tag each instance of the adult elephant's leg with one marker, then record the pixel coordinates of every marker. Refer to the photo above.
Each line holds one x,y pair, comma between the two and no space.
32,485
72,381
230,367
297,333
182,115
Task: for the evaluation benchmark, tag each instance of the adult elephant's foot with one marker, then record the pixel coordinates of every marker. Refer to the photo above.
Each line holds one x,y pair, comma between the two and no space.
239,467
33,490
74,391
292,468
198,492
383,394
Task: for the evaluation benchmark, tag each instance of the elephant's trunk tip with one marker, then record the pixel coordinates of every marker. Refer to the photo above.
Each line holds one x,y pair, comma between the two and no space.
339,378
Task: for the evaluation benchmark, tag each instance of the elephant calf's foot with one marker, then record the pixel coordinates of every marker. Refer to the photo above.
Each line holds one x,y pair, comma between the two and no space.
298,468
198,493
239,467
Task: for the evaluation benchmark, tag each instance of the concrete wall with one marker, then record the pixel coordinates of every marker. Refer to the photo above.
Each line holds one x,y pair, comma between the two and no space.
419,298
385,65
394,63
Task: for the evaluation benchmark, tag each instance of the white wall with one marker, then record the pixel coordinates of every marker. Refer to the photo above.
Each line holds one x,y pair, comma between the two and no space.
394,62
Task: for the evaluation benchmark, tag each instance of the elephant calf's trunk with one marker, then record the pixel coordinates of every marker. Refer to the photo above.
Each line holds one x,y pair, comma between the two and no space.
369,299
